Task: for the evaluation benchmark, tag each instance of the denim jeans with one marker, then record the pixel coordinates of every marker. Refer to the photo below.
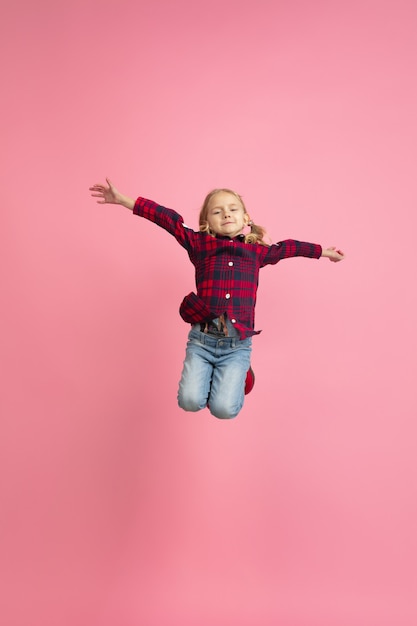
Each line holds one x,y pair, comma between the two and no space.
214,373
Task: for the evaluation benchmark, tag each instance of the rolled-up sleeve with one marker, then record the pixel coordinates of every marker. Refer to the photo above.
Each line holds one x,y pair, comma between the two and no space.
290,248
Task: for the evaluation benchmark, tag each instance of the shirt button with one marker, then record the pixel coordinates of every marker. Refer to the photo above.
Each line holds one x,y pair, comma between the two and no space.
230,263
233,321
227,296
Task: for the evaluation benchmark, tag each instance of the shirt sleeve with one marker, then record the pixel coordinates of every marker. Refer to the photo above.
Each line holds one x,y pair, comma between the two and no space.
169,220
290,248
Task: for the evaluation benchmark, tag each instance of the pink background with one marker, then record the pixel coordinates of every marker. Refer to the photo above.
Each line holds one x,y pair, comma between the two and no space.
117,507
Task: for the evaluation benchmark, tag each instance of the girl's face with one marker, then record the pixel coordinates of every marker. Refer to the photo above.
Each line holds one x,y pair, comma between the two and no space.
226,215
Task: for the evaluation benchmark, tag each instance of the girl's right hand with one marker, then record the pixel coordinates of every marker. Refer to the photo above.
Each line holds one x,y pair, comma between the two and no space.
110,195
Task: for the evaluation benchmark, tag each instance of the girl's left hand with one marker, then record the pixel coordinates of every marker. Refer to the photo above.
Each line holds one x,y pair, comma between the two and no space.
333,255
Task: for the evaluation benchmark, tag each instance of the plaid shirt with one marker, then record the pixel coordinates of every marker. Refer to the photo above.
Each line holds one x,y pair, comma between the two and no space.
226,270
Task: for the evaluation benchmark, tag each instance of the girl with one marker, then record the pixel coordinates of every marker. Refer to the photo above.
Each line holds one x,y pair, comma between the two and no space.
227,264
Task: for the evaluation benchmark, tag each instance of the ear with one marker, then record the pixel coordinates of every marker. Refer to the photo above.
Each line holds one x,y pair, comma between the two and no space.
247,219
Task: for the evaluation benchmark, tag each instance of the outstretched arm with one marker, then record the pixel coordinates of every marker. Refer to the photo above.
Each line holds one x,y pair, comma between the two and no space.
168,219
110,195
332,254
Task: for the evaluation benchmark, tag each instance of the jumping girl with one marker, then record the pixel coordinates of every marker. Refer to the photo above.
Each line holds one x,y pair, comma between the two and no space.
227,263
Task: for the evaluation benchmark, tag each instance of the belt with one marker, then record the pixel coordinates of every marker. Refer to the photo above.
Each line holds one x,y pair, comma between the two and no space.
218,327
209,329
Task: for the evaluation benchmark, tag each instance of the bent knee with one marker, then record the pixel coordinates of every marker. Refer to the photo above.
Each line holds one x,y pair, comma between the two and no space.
191,403
223,412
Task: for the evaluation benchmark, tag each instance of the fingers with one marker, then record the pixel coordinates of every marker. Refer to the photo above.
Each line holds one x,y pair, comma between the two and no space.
336,255
99,193
100,186
339,252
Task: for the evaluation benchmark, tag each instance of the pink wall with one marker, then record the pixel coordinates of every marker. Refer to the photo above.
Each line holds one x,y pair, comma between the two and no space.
118,508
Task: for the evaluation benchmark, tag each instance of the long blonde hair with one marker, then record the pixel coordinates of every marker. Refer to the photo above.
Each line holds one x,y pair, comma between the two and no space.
257,233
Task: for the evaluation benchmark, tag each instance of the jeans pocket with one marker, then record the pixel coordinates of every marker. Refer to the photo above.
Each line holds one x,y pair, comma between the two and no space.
245,344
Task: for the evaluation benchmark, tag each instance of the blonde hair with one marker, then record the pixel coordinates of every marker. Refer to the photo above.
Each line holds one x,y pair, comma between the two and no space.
257,233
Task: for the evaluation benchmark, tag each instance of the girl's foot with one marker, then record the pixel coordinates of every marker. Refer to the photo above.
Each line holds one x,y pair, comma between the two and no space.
250,381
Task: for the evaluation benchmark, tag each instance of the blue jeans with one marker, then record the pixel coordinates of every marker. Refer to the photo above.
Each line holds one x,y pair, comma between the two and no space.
214,374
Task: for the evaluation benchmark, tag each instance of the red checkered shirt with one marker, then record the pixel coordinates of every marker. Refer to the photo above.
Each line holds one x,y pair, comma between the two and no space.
226,270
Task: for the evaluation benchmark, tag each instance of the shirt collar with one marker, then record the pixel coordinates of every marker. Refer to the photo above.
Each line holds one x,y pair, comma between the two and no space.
240,237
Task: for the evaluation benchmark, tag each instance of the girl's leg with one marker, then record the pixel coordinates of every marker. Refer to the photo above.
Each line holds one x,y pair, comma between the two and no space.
228,382
194,387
